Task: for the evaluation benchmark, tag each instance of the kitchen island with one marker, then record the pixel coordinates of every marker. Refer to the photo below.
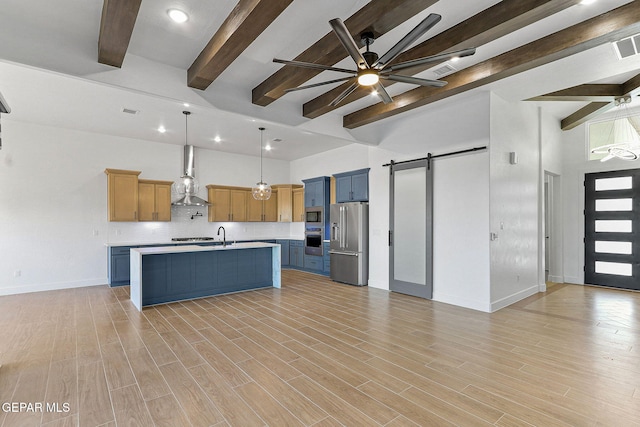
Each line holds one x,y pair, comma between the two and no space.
173,273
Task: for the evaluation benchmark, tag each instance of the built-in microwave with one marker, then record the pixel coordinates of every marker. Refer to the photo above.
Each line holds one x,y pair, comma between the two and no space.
313,215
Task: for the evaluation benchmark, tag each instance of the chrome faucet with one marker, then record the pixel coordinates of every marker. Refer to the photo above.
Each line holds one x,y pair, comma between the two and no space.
224,236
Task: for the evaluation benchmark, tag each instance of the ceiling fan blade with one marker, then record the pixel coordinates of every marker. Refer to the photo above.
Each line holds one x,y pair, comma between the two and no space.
312,66
430,59
382,93
317,84
414,80
412,36
347,41
344,94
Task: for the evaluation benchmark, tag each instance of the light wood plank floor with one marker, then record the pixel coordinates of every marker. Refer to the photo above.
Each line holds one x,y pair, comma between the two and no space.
318,353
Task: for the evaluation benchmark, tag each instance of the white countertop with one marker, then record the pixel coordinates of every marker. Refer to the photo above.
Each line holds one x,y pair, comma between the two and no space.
196,248
171,242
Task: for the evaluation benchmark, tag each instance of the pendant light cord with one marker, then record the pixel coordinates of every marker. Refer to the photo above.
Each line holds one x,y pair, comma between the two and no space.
261,133
186,124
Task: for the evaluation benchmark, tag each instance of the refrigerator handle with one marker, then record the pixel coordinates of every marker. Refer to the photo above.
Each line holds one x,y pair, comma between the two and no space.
390,238
341,226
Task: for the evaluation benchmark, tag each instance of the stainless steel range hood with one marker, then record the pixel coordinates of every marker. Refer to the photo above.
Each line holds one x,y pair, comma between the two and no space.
188,186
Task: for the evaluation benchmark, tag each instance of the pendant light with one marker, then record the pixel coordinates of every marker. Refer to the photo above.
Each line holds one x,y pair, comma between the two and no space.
262,190
625,138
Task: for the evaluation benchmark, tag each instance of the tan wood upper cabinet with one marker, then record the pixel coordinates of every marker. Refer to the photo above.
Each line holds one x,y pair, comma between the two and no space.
154,200
285,201
122,194
270,207
227,203
298,204
237,204
332,190
263,210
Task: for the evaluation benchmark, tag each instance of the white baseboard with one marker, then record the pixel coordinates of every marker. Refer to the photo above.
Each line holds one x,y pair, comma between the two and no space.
461,302
556,279
573,280
542,287
507,301
51,286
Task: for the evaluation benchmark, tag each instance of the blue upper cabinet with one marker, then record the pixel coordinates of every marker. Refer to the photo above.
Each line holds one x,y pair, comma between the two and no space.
352,186
316,191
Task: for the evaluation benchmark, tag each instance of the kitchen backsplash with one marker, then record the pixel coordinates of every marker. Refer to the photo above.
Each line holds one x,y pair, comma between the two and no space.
182,225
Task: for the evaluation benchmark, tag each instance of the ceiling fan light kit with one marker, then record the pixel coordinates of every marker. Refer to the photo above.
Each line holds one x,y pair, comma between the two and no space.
371,68
368,77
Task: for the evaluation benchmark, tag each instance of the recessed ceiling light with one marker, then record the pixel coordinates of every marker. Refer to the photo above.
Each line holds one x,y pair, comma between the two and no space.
267,147
177,15
162,129
186,104
587,1
217,139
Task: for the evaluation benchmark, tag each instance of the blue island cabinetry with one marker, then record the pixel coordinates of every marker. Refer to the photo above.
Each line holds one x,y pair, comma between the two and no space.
166,274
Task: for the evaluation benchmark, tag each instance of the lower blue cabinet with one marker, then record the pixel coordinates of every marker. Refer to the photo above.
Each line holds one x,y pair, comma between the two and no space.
296,253
119,265
284,252
313,262
327,260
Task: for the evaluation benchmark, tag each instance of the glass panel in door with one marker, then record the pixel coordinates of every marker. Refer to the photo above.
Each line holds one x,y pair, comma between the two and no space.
411,229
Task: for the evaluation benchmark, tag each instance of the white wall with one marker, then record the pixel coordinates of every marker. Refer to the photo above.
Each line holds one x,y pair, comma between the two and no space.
461,257
514,201
551,142
53,216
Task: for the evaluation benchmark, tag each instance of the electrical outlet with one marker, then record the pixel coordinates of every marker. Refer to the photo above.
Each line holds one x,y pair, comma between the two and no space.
17,273
96,232
118,232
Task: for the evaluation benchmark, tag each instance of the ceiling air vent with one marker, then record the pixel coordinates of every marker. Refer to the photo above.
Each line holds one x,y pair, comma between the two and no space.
445,70
130,111
627,47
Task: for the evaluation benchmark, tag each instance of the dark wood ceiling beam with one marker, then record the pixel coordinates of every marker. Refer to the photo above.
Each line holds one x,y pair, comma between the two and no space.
606,28
243,25
585,114
116,27
490,24
631,86
587,92
377,16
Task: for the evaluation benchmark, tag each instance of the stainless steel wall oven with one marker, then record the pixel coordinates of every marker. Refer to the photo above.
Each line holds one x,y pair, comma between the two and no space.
313,240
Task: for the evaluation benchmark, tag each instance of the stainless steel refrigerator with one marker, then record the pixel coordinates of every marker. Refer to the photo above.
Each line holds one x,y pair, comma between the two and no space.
349,250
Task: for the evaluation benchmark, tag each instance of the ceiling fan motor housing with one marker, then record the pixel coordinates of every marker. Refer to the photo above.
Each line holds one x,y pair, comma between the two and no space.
370,57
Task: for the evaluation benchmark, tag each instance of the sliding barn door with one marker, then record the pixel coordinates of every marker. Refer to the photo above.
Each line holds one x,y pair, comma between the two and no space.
411,229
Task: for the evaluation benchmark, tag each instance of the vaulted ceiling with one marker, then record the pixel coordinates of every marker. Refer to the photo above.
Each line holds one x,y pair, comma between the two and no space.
221,62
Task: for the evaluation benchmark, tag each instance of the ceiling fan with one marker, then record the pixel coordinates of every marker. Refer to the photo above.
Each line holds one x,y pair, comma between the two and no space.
371,68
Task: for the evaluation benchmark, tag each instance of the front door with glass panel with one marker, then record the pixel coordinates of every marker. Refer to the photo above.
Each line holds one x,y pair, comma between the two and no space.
410,229
612,229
